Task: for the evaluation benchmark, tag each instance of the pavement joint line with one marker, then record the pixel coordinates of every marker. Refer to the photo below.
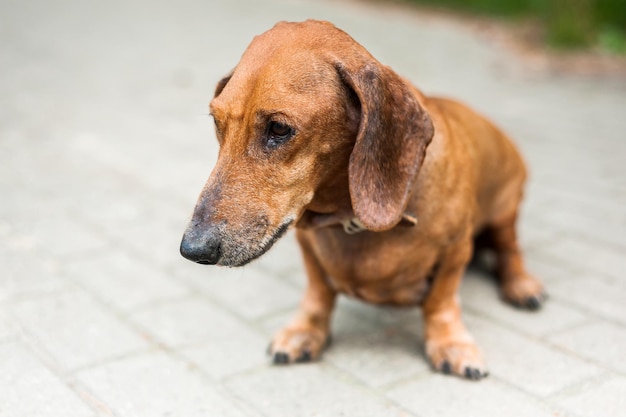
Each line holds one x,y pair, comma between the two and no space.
26,295
580,386
329,367
545,341
144,165
201,294
417,376
282,276
122,318
578,271
587,360
90,399
353,381
593,316
291,310
47,360
115,358
542,338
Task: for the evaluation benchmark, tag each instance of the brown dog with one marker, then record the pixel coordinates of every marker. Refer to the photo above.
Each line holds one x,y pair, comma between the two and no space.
387,188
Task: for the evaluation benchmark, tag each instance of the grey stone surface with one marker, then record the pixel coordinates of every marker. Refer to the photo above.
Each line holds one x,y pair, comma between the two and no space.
155,384
252,291
123,281
480,295
224,357
439,396
585,291
527,364
29,388
187,321
600,341
598,399
105,144
310,390
75,330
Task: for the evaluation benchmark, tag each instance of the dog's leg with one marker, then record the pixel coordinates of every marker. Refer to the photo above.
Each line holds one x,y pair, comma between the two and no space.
517,286
449,346
308,333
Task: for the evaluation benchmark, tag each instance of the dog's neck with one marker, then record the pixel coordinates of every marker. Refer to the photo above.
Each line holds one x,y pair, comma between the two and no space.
345,219
332,207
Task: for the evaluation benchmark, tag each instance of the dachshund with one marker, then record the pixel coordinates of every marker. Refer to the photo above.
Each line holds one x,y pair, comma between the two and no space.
386,187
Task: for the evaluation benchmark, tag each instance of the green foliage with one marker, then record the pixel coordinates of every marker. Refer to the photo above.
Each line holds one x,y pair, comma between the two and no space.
567,23
612,40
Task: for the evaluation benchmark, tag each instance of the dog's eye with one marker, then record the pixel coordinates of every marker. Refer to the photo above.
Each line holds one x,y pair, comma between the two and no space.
278,133
279,129
216,125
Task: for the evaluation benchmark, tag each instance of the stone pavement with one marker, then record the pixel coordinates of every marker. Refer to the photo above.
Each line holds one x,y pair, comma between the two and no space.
105,144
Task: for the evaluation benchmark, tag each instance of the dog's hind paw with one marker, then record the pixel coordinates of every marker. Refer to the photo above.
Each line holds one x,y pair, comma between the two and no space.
524,291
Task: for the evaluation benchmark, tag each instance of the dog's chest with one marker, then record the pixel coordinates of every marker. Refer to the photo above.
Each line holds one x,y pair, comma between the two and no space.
376,268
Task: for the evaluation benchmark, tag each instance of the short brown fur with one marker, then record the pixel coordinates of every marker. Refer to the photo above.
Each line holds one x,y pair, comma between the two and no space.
367,145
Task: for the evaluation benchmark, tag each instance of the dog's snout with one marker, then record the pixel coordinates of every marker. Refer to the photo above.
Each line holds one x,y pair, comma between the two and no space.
204,247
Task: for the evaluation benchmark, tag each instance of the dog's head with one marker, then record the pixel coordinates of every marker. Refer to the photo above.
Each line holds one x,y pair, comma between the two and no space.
307,114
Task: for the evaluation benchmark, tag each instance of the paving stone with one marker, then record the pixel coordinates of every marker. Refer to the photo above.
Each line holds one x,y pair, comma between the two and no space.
378,346
308,390
227,356
587,256
110,201
377,357
123,281
598,294
7,329
526,363
98,182
600,341
591,223
154,384
29,389
598,399
479,294
534,231
548,270
25,274
250,290
352,317
58,235
26,268
158,239
285,259
190,320
75,330
380,316
446,396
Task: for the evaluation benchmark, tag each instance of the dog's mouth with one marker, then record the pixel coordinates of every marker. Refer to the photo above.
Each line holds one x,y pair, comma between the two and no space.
240,249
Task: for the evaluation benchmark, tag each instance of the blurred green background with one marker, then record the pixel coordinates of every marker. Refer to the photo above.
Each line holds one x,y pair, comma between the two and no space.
565,24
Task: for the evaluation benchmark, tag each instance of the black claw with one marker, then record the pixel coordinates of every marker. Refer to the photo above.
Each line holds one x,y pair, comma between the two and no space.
533,303
305,357
446,368
474,374
281,358
329,341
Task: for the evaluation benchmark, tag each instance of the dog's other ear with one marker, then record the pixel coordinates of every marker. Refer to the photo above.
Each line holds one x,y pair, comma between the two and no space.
394,131
221,84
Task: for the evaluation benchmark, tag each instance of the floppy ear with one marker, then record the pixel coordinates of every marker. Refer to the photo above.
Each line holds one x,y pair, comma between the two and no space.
393,134
221,84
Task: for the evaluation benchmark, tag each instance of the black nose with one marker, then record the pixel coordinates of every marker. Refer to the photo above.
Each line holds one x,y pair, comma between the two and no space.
204,247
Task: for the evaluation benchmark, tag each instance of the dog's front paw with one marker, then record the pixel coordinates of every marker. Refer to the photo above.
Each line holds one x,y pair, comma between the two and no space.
461,358
298,344
524,291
